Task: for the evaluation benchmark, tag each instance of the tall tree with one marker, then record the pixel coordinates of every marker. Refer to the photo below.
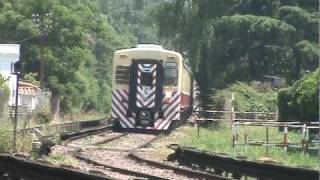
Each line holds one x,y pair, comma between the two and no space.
226,41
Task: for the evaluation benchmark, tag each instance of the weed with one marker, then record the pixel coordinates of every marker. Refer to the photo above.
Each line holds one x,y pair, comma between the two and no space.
219,140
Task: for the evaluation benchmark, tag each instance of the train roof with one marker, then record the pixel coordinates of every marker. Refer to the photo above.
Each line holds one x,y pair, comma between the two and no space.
149,47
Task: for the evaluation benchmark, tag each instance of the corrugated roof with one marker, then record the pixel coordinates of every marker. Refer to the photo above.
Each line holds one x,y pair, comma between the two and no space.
26,88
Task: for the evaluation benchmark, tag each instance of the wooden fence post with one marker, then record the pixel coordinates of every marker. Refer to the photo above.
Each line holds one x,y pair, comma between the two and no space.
234,129
232,114
198,128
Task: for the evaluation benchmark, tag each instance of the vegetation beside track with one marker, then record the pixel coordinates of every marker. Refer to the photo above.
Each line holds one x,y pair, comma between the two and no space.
252,97
218,139
300,101
24,141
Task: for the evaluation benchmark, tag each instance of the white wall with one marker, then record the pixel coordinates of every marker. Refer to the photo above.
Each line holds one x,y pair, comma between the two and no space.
9,53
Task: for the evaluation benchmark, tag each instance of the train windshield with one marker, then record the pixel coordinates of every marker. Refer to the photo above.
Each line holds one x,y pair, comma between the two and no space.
146,79
170,74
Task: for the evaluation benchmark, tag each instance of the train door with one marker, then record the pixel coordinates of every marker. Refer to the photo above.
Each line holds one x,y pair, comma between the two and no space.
145,92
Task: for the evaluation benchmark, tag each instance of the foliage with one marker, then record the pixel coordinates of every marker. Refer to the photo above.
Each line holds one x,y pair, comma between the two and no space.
77,44
132,19
248,98
24,141
4,95
77,50
44,117
301,100
5,137
31,77
229,41
219,140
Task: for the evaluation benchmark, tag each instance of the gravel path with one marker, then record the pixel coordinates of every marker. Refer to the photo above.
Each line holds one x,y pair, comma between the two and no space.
120,159
74,163
95,138
129,141
108,154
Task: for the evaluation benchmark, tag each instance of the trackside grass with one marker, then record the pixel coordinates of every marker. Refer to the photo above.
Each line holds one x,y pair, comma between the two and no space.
218,139
24,142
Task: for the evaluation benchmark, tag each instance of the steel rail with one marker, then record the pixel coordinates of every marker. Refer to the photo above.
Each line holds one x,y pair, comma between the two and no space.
241,167
19,168
69,137
116,169
178,170
106,140
77,155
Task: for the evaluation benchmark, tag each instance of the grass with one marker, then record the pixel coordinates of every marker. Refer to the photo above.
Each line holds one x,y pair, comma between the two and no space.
5,137
58,159
79,115
219,140
24,142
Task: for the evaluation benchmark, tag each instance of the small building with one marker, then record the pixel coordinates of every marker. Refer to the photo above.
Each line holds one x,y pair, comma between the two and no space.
29,95
9,54
276,82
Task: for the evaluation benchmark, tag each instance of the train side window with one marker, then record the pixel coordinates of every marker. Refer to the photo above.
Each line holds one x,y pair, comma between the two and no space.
170,74
122,74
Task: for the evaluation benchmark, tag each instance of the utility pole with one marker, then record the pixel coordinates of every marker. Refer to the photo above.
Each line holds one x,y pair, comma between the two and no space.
16,71
44,23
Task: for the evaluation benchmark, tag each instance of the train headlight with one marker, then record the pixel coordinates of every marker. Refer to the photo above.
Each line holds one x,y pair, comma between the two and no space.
168,95
167,99
145,115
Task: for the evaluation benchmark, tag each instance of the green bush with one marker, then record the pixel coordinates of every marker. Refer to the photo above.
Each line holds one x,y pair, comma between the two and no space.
5,137
4,95
247,98
300,102
44,117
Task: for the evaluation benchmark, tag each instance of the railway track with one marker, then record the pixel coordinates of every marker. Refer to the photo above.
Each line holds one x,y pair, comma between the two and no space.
238,168
115,152
15,168
105,154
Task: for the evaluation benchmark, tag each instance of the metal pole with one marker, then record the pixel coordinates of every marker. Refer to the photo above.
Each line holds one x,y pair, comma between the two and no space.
42,64
285,138
267,138
198,127
303,136
15,122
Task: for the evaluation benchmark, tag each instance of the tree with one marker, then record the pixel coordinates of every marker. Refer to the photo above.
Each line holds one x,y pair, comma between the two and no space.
301,100
77,50
226,41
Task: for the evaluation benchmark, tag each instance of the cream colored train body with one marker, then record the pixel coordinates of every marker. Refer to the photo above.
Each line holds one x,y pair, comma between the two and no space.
151,87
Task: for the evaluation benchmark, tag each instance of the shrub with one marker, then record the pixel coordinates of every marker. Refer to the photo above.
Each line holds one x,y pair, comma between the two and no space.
247,98
4,94
5,137
300,102
44,117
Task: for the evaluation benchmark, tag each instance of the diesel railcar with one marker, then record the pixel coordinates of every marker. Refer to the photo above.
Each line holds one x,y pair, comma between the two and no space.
151,88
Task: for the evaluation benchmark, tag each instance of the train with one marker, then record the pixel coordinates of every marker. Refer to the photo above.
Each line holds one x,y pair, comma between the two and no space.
151,88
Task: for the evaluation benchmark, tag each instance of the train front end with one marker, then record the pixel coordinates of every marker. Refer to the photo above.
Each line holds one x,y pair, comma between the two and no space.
146,88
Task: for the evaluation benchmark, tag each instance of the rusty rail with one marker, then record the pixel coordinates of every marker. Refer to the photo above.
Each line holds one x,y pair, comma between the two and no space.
18,168
241,167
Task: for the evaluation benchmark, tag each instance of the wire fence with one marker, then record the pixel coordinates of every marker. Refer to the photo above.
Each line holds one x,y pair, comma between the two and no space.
276,133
